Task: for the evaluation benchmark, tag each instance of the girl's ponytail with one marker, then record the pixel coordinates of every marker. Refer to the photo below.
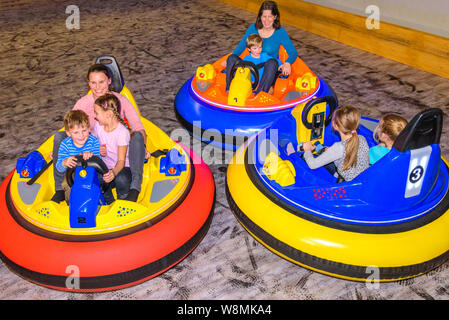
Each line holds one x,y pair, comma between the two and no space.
347,120
352,147
122,121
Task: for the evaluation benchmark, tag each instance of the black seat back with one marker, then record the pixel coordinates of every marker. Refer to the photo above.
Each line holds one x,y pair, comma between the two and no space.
423,130
117,78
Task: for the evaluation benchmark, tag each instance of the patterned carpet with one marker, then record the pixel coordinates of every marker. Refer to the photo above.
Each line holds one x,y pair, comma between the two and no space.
158,45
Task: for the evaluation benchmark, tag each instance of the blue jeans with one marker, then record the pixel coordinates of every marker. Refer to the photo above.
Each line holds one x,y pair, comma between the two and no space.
136,159
121,183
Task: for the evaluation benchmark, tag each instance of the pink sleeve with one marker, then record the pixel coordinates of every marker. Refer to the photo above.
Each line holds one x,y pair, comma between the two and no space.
130,113
94,130
86,104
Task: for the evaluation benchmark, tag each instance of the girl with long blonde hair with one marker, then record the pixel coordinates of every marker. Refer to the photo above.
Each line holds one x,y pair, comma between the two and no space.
349,157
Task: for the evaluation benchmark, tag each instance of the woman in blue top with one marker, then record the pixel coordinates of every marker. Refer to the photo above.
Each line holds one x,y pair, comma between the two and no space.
268,26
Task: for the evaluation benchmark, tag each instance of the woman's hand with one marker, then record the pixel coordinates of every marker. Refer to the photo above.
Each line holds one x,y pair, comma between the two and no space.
109,176
286,69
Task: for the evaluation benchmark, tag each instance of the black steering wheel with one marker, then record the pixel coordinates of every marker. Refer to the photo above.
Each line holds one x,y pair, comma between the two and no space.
330,100
252,68
94,162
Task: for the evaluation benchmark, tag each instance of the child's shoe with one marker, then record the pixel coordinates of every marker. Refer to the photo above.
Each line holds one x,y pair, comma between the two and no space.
133,194
58,196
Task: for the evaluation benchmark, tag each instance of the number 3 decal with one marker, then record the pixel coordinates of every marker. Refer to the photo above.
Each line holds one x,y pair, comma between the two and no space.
419,159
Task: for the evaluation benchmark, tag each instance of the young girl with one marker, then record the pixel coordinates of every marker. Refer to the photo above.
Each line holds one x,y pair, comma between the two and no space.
114,138
389,127
350,155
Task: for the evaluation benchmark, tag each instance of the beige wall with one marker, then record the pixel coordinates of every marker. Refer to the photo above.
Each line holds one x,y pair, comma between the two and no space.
431,16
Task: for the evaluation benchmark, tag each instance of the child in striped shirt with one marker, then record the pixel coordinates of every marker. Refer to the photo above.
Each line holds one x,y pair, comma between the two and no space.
78,142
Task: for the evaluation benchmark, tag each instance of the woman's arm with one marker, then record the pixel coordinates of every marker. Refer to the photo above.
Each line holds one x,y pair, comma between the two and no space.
242,44
284,39
288,46
132,116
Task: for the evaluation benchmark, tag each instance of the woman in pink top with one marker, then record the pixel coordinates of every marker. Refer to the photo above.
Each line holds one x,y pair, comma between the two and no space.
99,80
111,131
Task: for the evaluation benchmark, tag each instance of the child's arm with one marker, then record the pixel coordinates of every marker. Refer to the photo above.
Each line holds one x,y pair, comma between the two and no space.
120,164
334,152
64,159
91,148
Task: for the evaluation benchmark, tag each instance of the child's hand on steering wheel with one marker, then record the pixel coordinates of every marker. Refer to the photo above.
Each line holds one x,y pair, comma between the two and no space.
69,162
109,176
308,146
87,155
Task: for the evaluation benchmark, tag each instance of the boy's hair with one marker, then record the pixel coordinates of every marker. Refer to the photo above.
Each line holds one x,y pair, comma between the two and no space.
347,120
76,118
391,124
253,40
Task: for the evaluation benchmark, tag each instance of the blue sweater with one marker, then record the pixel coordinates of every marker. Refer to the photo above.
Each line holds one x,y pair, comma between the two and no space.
263,58
68,149
272,44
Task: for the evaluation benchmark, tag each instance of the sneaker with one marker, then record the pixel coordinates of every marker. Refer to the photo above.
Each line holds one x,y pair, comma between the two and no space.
133,194
58,196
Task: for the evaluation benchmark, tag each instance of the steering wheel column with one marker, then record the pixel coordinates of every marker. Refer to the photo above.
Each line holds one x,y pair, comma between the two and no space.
86,194
241,86
312,117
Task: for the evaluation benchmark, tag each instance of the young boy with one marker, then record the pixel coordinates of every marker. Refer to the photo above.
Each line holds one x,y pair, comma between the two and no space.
256,56
79,141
